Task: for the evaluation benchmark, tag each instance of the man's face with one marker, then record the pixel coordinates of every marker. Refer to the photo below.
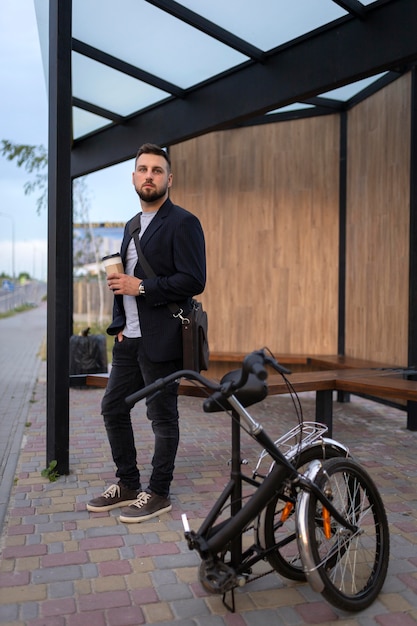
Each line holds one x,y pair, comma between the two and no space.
151,177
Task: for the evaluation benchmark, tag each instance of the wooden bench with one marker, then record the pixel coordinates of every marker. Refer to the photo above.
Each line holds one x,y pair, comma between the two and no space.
369,382
222,362
374,383
339,361
237,357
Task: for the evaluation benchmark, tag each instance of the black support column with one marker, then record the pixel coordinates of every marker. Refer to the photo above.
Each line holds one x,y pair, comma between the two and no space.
412,306
342,233
342,396
59,234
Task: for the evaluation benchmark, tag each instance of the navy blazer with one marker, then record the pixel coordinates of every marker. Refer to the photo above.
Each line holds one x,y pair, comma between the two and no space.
174,246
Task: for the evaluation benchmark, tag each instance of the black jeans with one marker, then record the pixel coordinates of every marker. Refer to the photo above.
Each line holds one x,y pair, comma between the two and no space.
132,370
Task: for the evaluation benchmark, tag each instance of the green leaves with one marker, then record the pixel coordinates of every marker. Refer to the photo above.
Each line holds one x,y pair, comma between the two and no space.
34,159
50,473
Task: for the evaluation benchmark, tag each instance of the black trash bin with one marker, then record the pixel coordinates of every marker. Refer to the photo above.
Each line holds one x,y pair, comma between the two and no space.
88,354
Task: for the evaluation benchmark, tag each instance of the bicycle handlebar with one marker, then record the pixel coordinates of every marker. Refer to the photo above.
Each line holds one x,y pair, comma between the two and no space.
253,363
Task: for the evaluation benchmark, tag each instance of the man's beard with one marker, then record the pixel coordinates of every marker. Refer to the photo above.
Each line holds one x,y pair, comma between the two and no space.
151,195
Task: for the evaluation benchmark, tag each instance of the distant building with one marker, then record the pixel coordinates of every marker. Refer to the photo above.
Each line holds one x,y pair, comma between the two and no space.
94,239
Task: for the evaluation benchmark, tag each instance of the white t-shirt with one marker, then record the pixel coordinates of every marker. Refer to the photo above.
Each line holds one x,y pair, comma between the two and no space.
132,328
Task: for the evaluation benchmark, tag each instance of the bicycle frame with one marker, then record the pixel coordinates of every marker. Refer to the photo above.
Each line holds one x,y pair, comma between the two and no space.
225,565
212,539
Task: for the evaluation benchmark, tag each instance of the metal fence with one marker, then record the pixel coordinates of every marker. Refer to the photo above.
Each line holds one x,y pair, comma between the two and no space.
89,302
31,293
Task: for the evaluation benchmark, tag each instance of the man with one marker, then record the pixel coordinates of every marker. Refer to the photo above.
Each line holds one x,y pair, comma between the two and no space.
148,342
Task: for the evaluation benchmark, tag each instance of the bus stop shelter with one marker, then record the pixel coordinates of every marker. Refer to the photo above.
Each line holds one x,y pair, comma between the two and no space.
168,71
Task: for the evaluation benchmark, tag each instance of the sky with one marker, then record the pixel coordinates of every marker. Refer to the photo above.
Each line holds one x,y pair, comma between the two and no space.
24,120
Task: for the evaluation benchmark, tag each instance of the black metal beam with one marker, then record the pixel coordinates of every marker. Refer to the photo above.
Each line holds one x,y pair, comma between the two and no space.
126,68
344,53
342,396
412,312
383,81
209,28
341,332
92,108
318,107
326,103
59,311
284,116
352,6
412,276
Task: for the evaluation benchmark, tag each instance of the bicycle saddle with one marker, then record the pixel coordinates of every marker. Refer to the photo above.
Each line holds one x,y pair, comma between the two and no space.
252,392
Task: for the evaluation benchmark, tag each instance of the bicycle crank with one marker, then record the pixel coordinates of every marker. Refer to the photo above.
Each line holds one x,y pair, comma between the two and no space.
217,577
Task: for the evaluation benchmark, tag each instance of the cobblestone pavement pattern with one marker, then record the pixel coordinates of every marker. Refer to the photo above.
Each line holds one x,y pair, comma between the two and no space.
63,566
21,337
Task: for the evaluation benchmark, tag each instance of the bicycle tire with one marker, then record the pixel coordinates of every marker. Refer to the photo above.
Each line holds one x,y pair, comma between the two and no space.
286,559
352,568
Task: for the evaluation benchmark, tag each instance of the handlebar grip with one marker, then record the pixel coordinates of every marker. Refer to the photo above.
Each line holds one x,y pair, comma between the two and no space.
216,402
259,371
254,364
154,387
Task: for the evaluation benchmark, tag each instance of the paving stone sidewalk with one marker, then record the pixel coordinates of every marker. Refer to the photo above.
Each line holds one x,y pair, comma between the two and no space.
21,339
63,566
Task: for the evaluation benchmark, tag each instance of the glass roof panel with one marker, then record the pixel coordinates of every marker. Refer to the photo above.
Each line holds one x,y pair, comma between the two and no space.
110,89
152,40
267,23
348,91
84,122
296,106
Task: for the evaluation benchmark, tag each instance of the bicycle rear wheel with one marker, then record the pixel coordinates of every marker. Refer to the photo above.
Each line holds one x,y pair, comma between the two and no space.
348,568
276,530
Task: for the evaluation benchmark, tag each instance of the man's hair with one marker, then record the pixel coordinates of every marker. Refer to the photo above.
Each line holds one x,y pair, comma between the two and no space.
152,148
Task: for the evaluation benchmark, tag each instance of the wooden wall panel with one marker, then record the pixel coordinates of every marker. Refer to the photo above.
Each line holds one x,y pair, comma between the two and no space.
378,225
267,197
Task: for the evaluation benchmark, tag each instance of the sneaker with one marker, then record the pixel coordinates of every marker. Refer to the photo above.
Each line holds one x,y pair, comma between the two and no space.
113,497
147,505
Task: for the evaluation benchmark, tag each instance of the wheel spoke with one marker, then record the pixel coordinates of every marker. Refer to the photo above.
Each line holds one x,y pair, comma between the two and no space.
352,565
276,531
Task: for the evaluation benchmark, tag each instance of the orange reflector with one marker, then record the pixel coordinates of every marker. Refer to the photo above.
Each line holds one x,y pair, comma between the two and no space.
286,511
326,524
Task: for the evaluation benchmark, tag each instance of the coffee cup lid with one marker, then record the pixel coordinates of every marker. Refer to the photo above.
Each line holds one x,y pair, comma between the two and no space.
111,256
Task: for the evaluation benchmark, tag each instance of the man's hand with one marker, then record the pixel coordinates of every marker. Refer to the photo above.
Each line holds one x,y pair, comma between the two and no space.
123,284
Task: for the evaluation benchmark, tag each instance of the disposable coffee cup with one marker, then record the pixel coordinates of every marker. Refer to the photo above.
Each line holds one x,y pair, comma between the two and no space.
113,264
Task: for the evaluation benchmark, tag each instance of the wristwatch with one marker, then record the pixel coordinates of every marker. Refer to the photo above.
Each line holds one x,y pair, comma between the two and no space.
141,289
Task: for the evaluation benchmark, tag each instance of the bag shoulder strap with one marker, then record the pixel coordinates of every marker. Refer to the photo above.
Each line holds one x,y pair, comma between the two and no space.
174,308
143,261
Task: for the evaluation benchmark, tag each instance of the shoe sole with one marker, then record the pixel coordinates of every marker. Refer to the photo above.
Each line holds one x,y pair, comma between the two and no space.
143,518
109,507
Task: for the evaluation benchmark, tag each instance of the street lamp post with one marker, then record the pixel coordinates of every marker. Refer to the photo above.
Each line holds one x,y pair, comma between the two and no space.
13,256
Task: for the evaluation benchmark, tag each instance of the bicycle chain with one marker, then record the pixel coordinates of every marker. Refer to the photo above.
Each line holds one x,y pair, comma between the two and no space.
252,578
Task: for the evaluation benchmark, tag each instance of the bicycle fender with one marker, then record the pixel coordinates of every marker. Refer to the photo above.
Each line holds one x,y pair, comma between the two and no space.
301,523
324,441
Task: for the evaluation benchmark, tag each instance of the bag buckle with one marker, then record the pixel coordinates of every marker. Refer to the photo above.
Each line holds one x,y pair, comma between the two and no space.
184,320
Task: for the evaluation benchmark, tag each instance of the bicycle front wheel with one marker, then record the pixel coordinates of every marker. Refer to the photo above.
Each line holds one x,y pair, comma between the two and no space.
347,567
276,529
